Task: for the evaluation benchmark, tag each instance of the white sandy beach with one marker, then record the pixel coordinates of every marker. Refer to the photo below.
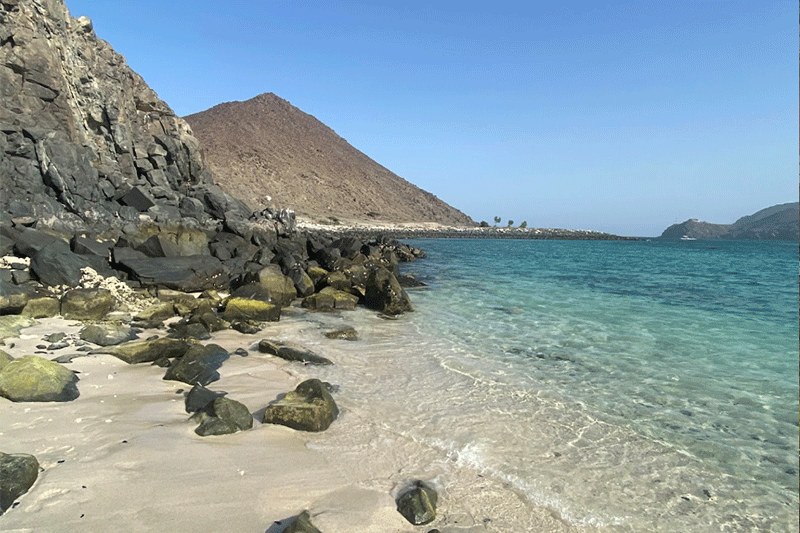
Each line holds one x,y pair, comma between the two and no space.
124,456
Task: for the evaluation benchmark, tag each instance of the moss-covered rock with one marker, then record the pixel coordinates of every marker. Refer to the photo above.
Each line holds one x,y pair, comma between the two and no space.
4,359
347,333
18,473
42,307
341,299
279,286
86,304
156,312
247,309
418,503
384,293
291,352
107,334
35,379
310,407
147,351
10,325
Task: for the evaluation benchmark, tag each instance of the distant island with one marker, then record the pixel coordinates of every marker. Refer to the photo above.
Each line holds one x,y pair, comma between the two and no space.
779,222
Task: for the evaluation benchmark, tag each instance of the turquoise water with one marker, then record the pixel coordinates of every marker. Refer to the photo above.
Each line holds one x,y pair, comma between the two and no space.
632,386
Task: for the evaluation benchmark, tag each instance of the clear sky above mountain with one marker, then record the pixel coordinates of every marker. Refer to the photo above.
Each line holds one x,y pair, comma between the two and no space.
618,117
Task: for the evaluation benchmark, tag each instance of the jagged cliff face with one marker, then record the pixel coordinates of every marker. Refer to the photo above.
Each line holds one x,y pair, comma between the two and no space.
79,129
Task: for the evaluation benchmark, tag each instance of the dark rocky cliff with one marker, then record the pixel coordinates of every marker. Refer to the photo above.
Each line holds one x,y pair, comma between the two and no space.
83,139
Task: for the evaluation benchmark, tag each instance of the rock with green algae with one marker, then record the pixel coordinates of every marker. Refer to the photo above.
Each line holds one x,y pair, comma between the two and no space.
347,333
309,407
18,473
42,307
86,304
4,359
291,352
384,293
279,286
147,351
250,309
10,325
418,503
35,379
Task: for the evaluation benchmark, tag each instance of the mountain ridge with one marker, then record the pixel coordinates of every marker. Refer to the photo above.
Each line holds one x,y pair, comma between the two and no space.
292,159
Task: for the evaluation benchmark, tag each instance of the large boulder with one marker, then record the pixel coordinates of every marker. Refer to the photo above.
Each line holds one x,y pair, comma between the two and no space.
193,273
42,307
198,366
4,359
56,264
384,293
35,379
18,473
418,503
309,407
86,304
147,351
291,352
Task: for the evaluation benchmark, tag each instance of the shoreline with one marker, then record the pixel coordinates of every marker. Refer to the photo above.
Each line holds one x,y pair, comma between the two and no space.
438,231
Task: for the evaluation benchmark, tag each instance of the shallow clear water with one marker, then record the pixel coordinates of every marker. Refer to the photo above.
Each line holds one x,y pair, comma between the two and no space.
620,386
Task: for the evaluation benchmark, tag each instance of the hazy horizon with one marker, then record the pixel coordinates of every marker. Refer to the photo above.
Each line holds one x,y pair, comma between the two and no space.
616,117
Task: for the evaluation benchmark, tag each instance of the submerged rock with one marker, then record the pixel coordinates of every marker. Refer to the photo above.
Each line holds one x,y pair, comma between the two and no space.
310,407
346,333
418,503
18,473
291,352
301,524
35,379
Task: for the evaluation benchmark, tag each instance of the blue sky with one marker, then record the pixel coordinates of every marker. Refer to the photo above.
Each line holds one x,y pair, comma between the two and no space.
618,117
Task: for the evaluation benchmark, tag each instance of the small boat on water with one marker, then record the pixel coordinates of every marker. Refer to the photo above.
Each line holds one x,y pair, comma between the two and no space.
687,238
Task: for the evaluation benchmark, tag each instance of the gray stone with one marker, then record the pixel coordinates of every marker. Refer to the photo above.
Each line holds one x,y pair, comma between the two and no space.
35,379
55,264
18,473
107,334
309,407
13,298
187,274
199,397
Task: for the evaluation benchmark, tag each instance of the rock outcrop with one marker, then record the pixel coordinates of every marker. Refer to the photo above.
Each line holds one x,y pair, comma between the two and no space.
83,139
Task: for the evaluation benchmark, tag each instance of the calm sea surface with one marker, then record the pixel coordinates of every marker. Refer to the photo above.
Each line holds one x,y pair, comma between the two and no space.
622,386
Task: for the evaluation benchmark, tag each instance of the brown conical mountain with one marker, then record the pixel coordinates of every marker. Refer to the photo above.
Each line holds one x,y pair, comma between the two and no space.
265,147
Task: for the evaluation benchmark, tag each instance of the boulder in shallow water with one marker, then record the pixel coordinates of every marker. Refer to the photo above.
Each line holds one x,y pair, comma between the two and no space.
86,304
347,333
309,407
35,379
384,293
291,352
147,351
418,503
18,473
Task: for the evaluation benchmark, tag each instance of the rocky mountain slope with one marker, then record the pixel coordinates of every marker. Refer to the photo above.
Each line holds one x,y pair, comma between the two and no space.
83,139
269,146
777,222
